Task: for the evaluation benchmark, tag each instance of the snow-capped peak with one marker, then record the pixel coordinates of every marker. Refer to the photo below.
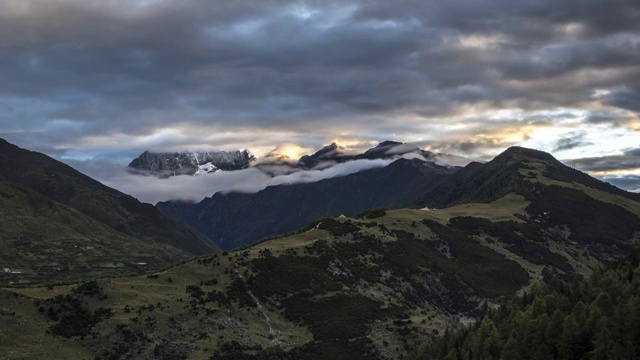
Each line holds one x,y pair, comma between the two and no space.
205,169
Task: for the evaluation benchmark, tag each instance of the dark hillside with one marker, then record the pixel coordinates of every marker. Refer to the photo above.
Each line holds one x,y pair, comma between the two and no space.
119,211
234,219
67,224
593,318
506,173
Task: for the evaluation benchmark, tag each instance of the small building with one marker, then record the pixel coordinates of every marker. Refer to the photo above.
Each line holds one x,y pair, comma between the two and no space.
7,270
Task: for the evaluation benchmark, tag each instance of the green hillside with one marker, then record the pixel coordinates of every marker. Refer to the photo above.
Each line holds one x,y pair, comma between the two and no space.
592,318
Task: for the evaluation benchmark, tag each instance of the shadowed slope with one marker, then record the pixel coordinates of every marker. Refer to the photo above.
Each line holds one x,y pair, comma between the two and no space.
46,201
235,219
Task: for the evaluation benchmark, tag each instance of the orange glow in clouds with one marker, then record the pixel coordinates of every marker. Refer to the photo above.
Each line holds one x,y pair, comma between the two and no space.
289,151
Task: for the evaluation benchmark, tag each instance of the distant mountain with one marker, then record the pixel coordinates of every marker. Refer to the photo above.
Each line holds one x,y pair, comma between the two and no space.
191,162
384,150
333,153
236,219
388,149
513,170
165,165
372,286
57,224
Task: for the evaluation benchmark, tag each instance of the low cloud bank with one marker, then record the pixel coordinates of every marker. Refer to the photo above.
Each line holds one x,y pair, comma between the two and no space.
195,188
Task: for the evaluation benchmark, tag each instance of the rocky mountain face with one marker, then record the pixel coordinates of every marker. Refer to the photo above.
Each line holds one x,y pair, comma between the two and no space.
198,162
58,225
237,219
332,153
371,286
191,163
384,150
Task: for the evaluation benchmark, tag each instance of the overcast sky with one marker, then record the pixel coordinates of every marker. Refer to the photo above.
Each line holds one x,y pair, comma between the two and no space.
105,80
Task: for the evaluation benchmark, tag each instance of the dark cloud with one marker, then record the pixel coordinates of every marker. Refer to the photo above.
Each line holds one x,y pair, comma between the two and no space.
629,160
195,188
78,74
628,182
606,117
633,153
467,147
570,142
625,98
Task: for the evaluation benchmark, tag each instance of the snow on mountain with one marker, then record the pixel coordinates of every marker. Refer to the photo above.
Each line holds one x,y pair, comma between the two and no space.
191,163
281,161
206,169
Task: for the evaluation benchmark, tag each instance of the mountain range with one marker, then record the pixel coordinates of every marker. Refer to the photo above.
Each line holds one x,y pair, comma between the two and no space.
373,285
235,219
166,164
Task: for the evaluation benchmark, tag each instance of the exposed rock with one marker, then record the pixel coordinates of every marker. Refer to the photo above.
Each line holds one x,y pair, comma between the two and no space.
191,163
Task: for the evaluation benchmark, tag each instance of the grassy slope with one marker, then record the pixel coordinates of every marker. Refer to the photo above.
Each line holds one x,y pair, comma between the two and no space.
48,242
54,217
505,173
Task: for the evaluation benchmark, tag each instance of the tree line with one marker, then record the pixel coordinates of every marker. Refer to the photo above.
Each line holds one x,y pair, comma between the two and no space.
586,318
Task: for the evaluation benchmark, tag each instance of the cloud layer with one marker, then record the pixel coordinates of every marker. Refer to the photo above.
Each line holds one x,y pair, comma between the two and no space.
195,188
108,79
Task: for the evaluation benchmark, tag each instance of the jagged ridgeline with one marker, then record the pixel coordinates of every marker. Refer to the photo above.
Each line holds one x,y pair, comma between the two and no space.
58,225
592,318
368,286
163,164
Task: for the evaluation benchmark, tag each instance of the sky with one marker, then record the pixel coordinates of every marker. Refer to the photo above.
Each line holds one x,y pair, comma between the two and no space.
101,81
